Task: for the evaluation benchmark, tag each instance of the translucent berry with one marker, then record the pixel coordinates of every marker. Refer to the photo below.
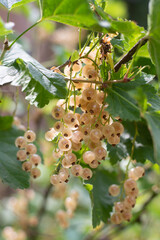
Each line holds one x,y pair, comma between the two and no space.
30,136
71,157
94,164
67,133
130,185
21,155
54,179
139,171
85,119
108,131
119,129
50,135
116,218
100,97
70,204
77,66
64,144
114,190
58,126
86,130
31,149
119,207
27,166
35,172
113,140
66,163
77,170
93,108
35,159
95,135
87,173
88,157
89,94
127,215
58,112
91,55
20,142
89,72
69,118
129,202
77,137
76,146
100,153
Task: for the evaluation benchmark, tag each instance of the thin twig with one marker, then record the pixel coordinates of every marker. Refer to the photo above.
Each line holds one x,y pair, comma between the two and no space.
128,56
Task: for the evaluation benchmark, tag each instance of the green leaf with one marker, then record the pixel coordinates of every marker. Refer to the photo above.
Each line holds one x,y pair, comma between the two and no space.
121,104
75,56
10,4
154,29
5,122
10,169
102,202
76,13
40,84
153,120
8,74
117,153
3,30
143,147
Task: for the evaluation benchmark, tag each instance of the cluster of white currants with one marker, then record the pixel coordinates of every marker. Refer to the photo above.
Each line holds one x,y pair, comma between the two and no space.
9,233
89,128
123,209
70,205
27,153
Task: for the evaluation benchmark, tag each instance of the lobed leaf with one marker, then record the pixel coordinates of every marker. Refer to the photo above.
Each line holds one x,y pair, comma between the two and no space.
76,13
39,83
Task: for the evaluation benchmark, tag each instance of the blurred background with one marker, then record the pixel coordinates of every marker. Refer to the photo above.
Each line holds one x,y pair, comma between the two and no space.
51,44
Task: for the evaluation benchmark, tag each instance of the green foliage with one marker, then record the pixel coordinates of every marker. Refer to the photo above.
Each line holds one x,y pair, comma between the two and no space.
3,30
10,169
102,202
126,107
153,120
10,4
76,13
154,29
5,122
39,83
118,152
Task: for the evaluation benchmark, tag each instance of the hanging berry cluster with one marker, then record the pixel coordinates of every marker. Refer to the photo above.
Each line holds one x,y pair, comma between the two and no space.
83,122
123,209
27,153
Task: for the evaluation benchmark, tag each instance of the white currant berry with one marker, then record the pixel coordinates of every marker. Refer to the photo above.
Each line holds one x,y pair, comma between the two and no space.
83,104
116,218
89,94
114,190
94,164
88,157
35,172
31,149
93,108
30,136
91,55
21,155
51,134
64,144
119,129
70,204
129,202
71,157
76,170
87,173
85,118
69,118
27,166
139,171
20,142
76,146
54,179
108,131
127,215
119,207
77,66
77,137
35,159
100,97
95,135
130,185
67,133
58,112
100,153
58,126
89,72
